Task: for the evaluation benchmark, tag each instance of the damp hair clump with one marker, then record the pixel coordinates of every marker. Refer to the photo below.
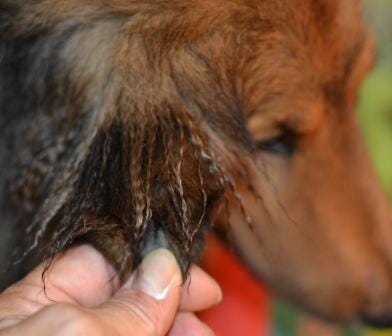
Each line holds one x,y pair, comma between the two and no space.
143,185
131,133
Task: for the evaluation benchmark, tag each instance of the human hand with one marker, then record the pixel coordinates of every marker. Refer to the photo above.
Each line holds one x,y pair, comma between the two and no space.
83,298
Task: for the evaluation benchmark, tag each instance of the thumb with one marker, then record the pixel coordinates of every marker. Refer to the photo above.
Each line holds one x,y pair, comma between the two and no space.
148,302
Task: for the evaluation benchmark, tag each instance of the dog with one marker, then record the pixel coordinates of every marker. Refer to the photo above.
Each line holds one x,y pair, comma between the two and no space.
133,125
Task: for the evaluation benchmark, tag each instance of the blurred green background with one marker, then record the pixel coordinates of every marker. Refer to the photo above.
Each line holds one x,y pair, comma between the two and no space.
375,105
375,114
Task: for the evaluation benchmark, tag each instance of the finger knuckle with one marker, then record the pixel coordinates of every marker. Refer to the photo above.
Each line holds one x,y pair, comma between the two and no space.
74,320
144,314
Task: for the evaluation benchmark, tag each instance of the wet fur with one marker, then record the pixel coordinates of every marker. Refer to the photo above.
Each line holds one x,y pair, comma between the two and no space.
125,123
114,122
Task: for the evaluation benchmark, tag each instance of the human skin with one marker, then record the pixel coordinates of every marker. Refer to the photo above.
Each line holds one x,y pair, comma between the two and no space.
83,297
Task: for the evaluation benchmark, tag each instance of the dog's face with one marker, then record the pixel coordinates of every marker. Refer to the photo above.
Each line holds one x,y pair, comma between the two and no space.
145,114
321,229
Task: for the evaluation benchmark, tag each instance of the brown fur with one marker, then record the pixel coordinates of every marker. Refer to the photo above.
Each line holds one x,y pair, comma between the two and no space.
147,114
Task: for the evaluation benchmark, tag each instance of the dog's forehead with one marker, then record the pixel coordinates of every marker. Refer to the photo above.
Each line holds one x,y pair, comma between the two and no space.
309,57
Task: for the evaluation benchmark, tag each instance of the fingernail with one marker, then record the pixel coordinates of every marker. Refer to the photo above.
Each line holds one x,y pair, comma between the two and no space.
157,275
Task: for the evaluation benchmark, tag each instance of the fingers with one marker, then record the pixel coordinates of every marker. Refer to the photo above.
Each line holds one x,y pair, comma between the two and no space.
145,306
148,302
80,275
83,274
68,320
188,324
60,320
200,291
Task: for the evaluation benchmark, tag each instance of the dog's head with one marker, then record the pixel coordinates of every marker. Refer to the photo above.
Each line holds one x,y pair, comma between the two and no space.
173,107
320,235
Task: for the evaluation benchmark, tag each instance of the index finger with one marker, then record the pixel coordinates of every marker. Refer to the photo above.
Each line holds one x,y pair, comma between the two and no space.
80,275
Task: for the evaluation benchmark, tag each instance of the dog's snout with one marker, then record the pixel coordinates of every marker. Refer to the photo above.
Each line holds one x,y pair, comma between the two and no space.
383,320
376,310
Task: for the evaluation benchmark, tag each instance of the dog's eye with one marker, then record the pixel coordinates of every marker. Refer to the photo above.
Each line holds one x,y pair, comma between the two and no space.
282,144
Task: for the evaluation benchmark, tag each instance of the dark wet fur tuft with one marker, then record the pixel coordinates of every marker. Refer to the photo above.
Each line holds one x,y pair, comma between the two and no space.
109,138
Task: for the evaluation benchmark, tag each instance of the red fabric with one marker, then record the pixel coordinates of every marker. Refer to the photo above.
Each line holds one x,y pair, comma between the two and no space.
245,306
